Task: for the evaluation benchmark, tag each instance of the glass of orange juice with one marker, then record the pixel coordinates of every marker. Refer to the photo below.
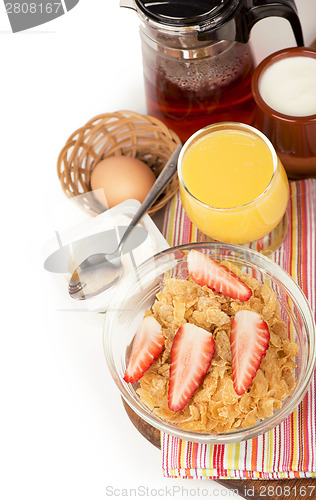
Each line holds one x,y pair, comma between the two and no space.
233,186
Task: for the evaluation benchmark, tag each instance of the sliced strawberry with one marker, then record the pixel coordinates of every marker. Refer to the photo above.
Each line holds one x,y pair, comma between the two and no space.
191,355
207,271
148,344
249,339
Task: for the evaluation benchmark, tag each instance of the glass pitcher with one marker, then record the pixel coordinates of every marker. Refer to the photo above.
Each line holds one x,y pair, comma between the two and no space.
197,62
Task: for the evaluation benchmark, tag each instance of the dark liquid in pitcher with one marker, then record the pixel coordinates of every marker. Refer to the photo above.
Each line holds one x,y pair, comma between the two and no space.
190,96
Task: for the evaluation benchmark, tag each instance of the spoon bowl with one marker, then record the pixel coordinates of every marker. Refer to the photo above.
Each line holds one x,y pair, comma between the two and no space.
96,272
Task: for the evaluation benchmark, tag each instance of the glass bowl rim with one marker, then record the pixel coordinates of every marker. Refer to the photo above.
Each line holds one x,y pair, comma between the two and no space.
260,427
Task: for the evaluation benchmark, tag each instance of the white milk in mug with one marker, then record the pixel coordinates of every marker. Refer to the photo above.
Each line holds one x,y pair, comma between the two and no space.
289,86
284,89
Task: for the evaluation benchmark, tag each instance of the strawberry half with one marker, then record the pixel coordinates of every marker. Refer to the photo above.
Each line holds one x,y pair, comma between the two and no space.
148,344
207,271
191,355
249,339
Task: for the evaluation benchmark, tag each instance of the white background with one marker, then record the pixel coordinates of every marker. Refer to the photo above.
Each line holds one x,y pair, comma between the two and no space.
63,431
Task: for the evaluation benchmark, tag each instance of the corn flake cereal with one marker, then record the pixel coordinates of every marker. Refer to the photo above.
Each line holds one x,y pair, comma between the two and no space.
215,407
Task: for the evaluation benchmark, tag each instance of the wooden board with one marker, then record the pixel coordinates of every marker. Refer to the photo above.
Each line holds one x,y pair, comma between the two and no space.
255,489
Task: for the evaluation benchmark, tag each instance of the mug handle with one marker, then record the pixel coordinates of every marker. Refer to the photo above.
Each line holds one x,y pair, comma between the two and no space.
259,9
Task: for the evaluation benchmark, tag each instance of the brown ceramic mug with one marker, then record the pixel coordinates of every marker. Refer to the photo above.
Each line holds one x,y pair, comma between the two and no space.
293,137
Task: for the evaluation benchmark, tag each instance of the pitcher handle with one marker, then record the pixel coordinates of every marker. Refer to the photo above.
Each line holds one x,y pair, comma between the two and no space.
259,9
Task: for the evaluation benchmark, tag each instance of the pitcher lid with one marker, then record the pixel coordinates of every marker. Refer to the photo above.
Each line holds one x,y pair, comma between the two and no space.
187,12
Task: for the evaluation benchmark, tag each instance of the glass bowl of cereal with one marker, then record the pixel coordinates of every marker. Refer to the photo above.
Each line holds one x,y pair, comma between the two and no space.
210,342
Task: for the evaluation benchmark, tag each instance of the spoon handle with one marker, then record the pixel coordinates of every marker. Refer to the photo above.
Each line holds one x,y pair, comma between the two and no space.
164,177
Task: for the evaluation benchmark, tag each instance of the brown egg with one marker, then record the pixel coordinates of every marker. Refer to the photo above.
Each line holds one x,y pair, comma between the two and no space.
121,178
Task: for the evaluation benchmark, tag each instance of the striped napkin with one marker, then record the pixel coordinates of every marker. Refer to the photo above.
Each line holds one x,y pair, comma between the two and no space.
289,450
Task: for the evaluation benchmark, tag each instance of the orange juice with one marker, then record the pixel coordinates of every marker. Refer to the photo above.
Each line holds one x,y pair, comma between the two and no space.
232,185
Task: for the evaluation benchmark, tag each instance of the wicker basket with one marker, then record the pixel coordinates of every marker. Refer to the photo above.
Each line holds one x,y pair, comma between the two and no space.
114,134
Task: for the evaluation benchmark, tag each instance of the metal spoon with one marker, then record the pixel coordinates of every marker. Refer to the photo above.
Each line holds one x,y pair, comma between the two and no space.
100,271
